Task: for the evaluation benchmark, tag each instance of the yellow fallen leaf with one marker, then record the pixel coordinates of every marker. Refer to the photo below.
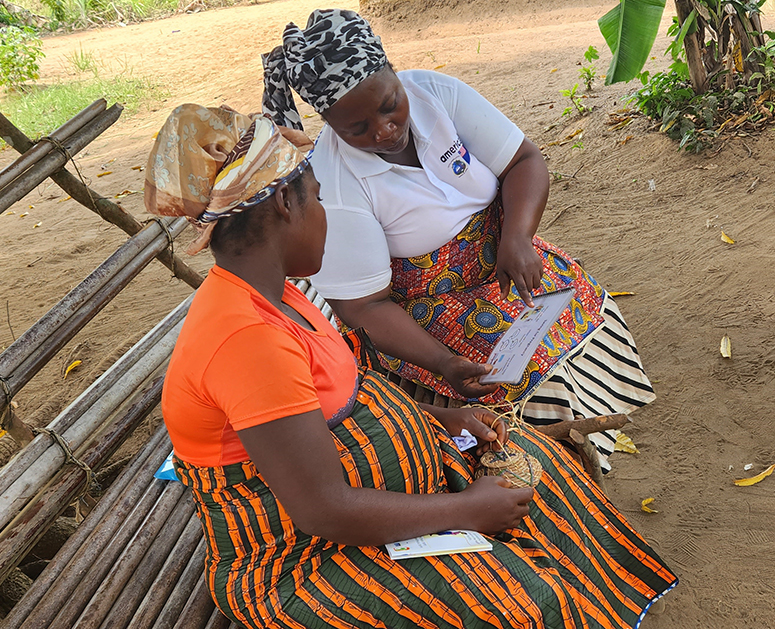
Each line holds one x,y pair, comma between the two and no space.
65,199
106,172
71,366
23,214
552,70
440,67
644,505
625,444
726,346
726,238
2,433
747,482
125,193
38,224
8,213
32,207
620,293
155,135
138,167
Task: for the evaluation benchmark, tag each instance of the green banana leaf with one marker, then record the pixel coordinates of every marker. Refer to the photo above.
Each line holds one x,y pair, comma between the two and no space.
630,29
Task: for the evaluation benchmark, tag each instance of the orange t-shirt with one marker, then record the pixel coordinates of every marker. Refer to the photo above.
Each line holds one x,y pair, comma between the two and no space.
240,362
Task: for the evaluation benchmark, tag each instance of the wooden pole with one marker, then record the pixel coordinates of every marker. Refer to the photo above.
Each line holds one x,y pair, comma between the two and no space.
121,591
589,456
217,621
155,505
105,208
154,577
35,153
198,609
177,599
586,426
63,574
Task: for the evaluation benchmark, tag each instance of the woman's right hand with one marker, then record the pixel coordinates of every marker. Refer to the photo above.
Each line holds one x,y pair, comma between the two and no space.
464,376
493,506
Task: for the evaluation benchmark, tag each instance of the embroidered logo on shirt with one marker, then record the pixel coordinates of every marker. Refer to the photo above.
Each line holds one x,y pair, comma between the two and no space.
457,156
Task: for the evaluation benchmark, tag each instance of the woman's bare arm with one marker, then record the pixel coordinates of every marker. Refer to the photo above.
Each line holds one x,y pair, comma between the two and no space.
299,461
524,189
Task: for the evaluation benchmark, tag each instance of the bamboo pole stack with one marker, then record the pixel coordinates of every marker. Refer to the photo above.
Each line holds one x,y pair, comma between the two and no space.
136,561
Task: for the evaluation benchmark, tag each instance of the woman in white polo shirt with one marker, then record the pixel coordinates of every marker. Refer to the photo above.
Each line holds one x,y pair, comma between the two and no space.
433,198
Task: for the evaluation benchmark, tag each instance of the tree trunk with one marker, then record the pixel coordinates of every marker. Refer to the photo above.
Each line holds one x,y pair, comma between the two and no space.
693,48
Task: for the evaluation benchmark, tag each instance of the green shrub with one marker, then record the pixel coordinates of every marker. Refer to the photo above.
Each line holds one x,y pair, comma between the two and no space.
20,50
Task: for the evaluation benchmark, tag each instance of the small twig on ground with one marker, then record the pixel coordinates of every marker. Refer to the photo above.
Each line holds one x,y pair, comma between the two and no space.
546,102
750,152
35,261
558,215
752,186
8,318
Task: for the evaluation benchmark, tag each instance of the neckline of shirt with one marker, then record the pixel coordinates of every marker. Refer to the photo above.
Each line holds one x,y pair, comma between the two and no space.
293,293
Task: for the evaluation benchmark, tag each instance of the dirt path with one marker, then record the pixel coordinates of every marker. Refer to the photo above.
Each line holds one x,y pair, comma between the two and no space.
712,417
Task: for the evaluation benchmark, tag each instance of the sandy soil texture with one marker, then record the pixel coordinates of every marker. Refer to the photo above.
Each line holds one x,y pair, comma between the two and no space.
641,216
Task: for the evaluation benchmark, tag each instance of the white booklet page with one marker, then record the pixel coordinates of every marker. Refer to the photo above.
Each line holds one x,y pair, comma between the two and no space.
512,353
444,543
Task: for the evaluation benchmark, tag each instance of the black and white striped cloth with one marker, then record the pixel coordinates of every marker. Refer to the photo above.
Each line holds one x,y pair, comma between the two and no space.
602,377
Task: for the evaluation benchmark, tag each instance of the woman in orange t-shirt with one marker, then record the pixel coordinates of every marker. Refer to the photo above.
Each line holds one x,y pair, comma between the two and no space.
303,463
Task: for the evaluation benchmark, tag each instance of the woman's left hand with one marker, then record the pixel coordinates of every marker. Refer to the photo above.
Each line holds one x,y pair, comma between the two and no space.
481,423
518,262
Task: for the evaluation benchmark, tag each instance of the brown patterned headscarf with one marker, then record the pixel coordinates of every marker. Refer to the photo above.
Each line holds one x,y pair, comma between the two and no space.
208,163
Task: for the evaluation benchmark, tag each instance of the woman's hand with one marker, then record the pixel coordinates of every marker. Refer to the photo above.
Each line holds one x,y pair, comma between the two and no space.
493,507
464,376
518,262
481,423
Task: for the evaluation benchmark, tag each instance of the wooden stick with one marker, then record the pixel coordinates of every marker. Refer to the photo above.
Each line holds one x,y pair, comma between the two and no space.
23,462
134,535
589,455
587,426
105,208
217,621
15,427
198,608
183,588
32,351
32,480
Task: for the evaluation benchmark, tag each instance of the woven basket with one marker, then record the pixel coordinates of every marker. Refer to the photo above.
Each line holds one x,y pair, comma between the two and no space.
516,466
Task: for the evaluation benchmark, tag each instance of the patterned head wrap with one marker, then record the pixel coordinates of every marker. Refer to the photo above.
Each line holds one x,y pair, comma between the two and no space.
322,63
210,163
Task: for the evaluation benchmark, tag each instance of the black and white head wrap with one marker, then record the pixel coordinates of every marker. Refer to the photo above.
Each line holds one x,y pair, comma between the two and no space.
322,63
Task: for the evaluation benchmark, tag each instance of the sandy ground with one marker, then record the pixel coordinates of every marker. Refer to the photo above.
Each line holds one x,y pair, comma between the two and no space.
661,240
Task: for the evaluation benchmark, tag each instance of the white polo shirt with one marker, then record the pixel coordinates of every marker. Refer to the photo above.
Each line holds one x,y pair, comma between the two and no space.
377,210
